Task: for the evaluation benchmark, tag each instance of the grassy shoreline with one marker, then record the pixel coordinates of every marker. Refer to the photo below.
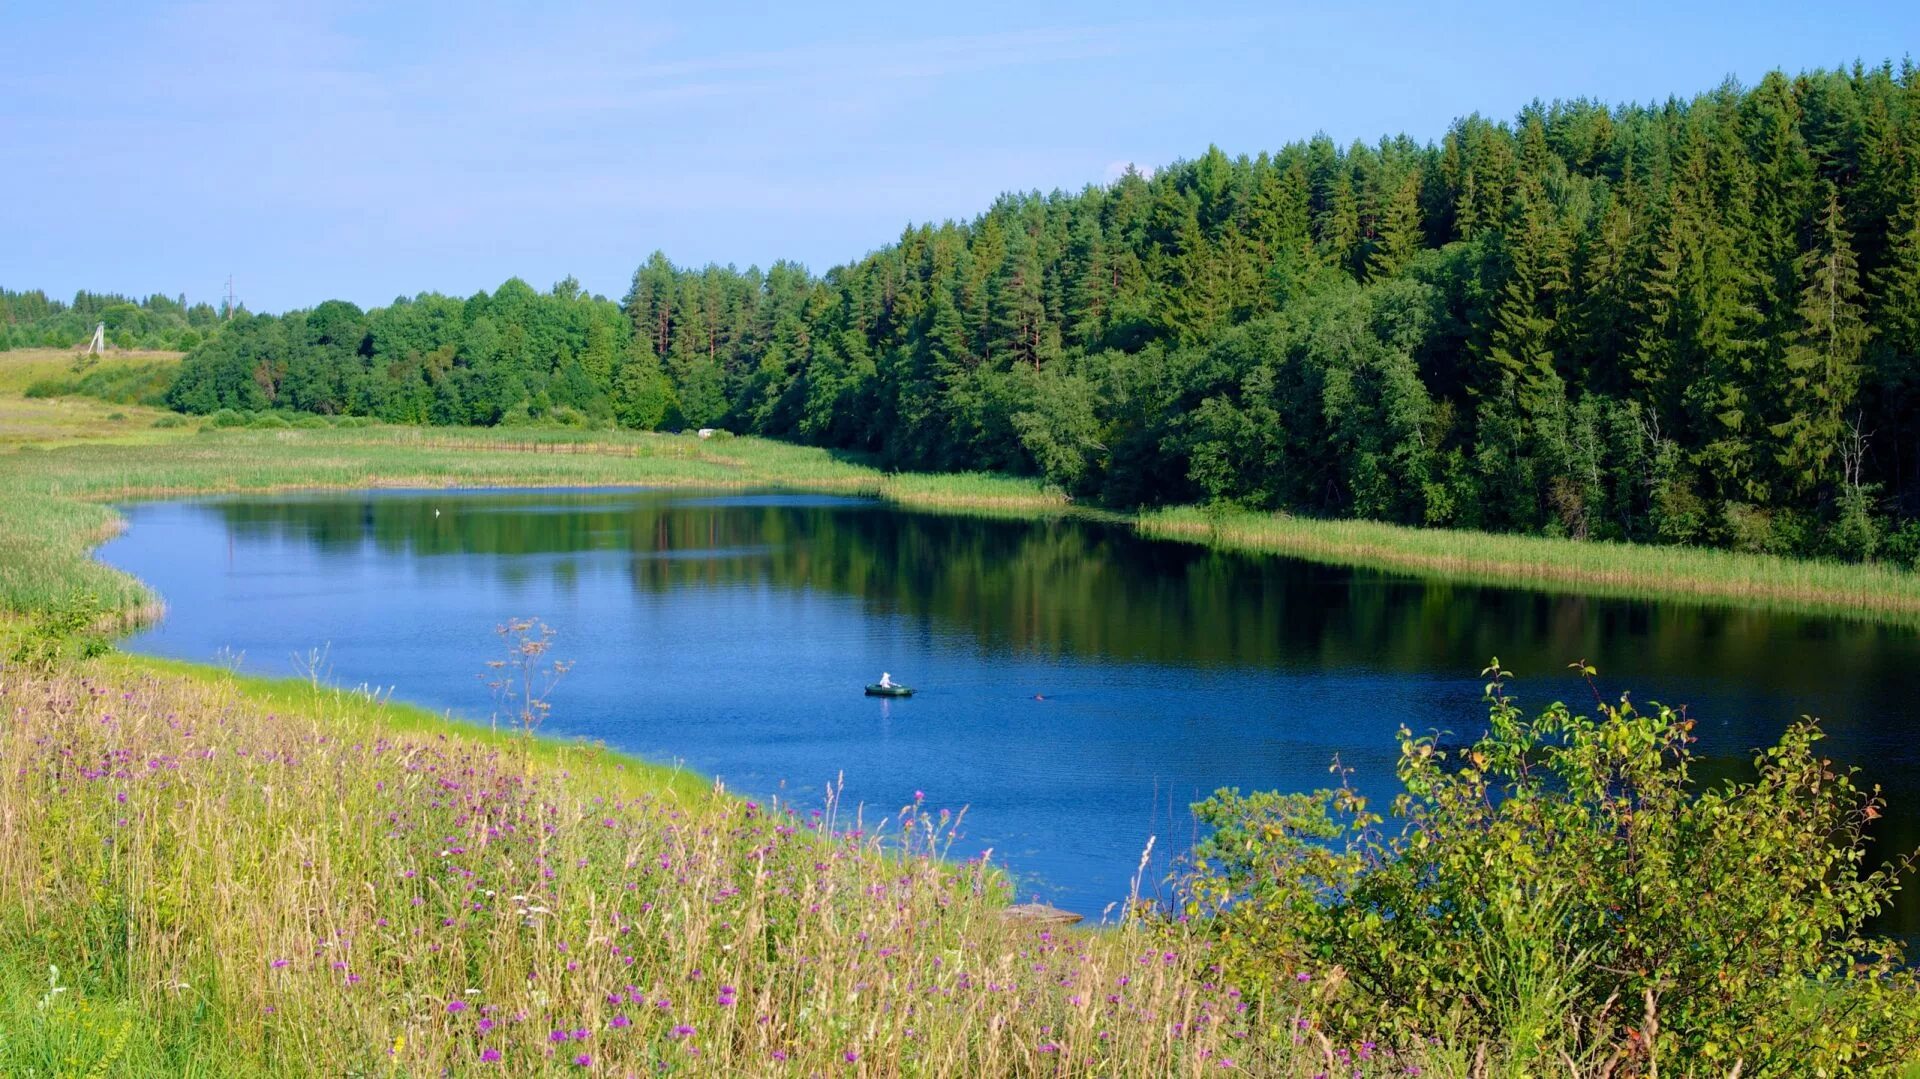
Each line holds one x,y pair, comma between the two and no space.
56,515
98,452
1604,569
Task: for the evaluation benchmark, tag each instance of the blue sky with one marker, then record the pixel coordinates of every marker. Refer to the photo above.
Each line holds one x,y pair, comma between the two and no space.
368,150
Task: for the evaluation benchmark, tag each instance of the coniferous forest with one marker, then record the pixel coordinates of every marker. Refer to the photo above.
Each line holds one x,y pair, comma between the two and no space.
1691,322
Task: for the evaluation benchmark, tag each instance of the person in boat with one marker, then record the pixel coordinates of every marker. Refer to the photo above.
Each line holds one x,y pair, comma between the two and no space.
886,680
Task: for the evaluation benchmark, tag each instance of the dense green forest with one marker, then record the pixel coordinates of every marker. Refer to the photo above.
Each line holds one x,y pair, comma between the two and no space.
1696,322
31,320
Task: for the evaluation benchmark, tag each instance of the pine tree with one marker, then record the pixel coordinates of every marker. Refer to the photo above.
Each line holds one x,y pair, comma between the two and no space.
1089,287
1539,273
1398,236
1695,355
1823,362
1895,402
1337,231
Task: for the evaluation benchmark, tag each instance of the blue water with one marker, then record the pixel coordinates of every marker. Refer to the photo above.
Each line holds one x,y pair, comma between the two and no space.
1078,686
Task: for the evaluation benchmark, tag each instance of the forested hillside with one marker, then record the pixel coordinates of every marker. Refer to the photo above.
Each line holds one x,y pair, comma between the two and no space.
31,320
1689,322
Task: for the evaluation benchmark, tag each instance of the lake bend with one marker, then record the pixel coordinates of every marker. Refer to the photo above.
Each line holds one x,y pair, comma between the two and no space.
1078,685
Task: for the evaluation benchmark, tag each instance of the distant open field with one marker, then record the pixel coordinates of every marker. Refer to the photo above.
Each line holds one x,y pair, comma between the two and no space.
64,419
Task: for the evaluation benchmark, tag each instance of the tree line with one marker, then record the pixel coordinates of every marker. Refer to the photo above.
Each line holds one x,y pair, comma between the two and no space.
1695,321
30,319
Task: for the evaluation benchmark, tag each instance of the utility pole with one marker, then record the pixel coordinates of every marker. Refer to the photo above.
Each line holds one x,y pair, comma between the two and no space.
229,297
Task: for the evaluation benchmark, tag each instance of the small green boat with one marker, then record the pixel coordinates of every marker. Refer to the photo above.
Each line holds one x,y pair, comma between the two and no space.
878,690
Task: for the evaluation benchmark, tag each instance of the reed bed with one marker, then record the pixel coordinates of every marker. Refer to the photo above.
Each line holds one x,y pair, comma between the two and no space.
1876,591
199,878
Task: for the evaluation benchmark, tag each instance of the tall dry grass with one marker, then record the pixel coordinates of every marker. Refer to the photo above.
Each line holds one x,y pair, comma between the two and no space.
332,889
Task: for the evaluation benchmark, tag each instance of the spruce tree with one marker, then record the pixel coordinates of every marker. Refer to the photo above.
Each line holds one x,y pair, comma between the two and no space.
1823,362
1398,236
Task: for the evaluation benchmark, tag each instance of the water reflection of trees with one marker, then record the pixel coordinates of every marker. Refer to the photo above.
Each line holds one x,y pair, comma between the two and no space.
1071,587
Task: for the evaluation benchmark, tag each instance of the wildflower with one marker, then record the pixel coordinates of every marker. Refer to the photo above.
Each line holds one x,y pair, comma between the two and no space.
584,1060
851,1056
489,1056
621,1022
681,1031
279,963
456,1006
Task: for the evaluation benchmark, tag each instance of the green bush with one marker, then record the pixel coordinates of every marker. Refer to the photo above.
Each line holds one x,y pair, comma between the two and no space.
269,420
227,417
1902,545
309,423
1561,888
68,630
171,420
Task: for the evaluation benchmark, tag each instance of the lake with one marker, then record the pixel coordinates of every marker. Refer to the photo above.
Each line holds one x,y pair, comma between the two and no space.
1079,686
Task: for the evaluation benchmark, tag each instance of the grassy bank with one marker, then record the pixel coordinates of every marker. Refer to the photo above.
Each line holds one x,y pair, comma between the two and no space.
208,876
1879,592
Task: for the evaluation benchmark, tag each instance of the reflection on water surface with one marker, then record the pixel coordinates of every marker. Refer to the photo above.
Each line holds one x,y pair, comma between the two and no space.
734,632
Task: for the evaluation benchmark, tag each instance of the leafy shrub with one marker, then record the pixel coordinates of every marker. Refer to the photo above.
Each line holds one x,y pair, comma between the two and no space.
170,420
67,630
1559,887
228,417
567,416
1854,534
269,420
1902,545
115,383
309,423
